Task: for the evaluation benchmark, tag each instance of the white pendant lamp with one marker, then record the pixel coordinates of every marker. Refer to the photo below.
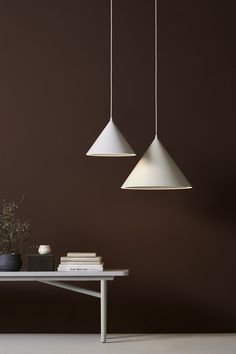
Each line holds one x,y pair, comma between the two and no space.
111,142
156,170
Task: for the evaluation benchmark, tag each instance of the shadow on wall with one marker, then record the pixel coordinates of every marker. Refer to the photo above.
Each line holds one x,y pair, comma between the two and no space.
172,313
216,194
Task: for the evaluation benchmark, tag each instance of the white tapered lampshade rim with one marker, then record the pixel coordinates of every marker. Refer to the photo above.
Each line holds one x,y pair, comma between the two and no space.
145,188
104,154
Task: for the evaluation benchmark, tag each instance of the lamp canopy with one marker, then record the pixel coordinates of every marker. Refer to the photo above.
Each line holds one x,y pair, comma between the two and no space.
111,143
156,171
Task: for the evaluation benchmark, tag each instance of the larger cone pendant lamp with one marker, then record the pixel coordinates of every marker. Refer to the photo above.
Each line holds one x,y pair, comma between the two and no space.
156,170
111,142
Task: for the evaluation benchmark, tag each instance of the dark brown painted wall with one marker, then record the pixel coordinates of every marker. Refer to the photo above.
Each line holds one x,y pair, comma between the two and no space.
54,100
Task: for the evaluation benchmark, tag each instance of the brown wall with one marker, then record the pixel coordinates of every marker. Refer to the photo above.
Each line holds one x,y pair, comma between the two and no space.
180,246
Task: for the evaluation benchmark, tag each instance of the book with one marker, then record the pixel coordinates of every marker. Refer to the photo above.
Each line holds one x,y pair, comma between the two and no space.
79,263
81,259
81,254
82,265
92,268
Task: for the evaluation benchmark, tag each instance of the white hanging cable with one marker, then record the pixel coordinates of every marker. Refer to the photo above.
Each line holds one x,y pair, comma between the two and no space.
156,64
111,73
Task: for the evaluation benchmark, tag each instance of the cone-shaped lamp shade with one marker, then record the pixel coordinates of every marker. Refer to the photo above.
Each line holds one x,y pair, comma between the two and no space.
156,170
111,143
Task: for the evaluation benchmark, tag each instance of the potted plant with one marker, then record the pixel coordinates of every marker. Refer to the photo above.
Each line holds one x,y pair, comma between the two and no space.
13,232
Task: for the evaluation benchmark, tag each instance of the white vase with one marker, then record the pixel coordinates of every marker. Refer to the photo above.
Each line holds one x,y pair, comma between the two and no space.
44,249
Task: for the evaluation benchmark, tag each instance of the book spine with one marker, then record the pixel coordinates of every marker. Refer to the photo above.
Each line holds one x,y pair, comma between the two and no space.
79,267
81,259
81,254
80,263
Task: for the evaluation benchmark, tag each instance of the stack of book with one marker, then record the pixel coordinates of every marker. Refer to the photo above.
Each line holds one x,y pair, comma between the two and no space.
75,261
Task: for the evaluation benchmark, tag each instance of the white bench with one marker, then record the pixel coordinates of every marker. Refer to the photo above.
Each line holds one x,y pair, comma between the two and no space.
58,279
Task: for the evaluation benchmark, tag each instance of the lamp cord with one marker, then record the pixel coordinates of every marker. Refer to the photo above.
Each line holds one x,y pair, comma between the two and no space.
111,69
156,63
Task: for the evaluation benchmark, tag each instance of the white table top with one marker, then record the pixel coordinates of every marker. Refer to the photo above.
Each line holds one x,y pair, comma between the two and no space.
72,275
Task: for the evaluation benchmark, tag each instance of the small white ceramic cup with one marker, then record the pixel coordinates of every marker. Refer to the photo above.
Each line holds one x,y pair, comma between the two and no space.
44,249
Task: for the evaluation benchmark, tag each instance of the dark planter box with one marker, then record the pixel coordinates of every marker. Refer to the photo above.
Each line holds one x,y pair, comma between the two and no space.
38,262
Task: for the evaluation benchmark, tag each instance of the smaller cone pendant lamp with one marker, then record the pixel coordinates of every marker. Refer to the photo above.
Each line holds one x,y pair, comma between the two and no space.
156,170
111,142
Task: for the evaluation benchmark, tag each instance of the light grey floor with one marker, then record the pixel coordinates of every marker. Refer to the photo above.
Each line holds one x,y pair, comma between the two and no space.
118,343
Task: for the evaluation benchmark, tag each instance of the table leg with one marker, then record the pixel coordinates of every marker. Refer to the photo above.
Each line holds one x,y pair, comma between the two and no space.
103,310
